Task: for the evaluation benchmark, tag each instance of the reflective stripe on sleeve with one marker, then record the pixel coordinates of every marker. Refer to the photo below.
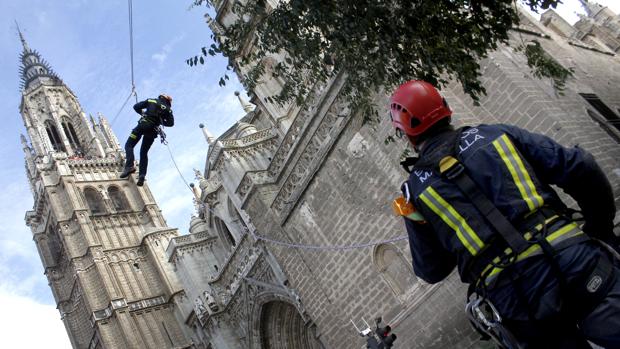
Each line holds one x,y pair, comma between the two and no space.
453,219
519,174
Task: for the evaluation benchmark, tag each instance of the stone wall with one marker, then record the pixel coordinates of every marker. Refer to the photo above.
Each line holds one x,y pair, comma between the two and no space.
346,200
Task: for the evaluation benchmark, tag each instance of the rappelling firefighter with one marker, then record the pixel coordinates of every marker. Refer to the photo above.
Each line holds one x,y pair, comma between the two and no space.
480,199
155,112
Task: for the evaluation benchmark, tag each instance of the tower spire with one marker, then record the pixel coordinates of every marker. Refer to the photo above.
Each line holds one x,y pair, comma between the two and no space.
21,38
208,136
247,106
591,7
33,66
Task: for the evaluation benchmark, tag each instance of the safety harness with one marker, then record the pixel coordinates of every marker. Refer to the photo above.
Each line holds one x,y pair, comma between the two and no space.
148,118
496,257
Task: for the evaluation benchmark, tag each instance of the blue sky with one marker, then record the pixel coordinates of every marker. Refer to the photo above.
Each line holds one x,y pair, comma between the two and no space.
86,42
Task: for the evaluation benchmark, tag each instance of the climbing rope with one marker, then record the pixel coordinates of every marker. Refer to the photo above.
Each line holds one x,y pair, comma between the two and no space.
327,248
133,92
247,231
133,84
130,10
313,247
177,167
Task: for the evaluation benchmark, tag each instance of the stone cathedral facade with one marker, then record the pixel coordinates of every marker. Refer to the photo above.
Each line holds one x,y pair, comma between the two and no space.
102,240
316,175
282,176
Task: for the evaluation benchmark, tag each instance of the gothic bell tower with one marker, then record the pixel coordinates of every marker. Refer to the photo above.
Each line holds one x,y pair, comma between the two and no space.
101,239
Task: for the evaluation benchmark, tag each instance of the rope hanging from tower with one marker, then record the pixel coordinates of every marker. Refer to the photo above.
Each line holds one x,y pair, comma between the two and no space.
246,230
133,84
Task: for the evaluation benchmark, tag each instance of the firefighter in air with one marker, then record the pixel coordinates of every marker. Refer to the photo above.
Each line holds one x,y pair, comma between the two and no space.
155,112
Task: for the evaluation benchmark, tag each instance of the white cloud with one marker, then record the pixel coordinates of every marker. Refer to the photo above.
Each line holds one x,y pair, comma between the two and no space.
29,324
162,55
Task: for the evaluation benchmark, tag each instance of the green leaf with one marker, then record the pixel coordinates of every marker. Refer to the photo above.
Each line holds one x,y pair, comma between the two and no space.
377,44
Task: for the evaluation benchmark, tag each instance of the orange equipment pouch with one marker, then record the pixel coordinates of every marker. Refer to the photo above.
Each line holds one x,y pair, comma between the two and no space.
402,207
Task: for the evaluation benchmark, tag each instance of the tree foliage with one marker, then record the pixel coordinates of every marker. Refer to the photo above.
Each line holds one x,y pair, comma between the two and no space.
378,44
544,66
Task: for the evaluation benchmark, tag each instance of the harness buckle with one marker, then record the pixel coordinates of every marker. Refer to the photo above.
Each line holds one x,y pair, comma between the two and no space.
487,321
450,167
485,312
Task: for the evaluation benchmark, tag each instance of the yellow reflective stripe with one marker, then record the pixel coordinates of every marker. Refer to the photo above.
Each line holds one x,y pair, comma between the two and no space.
526,175
133,136
566,232
151,101
517,170
527,236
453,219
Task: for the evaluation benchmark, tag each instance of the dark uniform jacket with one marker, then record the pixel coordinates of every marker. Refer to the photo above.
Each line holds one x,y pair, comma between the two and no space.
156,113
514,169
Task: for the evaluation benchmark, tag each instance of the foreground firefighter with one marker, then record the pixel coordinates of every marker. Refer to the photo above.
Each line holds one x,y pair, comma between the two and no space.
155,113
479,198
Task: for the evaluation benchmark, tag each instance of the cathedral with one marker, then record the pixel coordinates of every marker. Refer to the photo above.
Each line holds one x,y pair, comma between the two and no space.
292,241
102,240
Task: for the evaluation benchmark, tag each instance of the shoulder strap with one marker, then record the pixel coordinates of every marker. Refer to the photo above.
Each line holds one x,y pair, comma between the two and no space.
452,170
409,163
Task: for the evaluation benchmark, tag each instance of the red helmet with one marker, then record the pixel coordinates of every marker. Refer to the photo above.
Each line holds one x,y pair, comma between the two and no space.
417,105
166,97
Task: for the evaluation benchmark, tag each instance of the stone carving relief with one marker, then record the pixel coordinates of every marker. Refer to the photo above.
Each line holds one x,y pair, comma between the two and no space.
308,160
235,268
199,307
212,305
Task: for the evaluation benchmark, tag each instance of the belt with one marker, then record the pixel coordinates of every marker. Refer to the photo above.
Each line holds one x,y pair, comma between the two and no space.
497,250
146,120
559,238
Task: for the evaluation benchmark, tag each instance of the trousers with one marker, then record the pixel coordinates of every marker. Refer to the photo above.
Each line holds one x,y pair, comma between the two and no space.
148,133
544,312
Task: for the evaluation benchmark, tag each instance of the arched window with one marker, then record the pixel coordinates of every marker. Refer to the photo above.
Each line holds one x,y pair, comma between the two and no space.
118,198
94,200
394,269
225,234
54,137
54,245
71,135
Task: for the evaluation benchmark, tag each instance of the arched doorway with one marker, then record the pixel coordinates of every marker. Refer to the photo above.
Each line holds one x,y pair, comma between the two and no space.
282,327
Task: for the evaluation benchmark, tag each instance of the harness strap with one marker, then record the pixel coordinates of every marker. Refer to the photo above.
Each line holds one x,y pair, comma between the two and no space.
454,171
162,134
408,163
559,239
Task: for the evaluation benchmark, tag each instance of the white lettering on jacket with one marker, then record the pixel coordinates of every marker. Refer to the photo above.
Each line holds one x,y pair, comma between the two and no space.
422,175
469,137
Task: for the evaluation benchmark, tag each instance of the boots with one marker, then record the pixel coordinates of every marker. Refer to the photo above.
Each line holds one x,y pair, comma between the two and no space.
127,171
140,181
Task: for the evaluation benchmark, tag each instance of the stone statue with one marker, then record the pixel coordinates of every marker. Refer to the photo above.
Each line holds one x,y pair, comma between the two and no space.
199,307
211,303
